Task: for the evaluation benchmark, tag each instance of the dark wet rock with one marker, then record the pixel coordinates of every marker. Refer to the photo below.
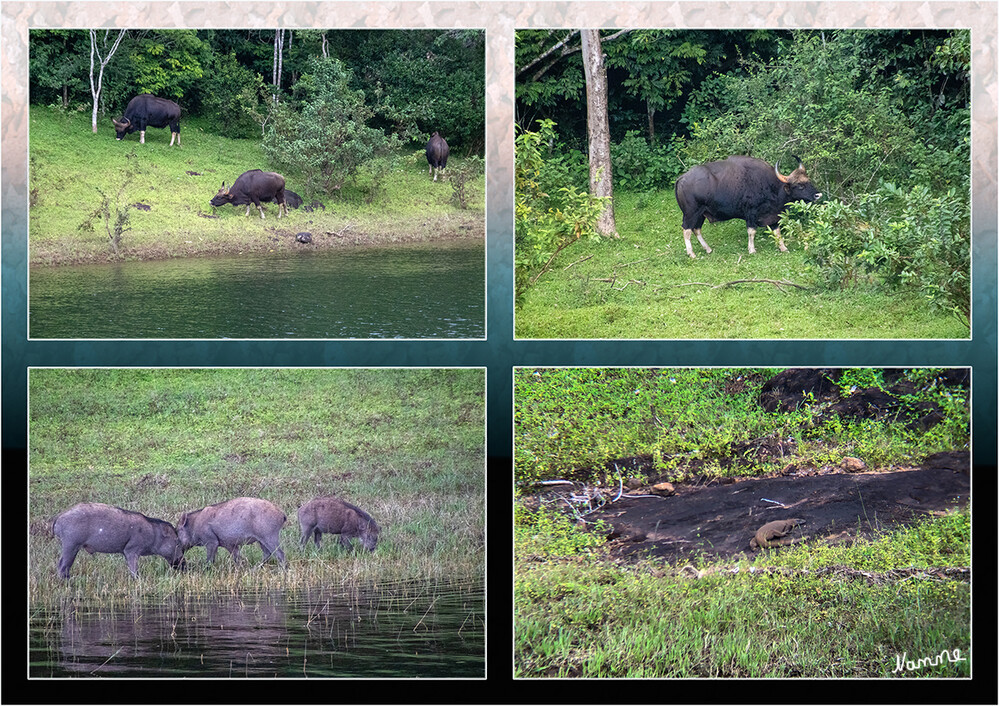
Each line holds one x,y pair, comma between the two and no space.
304,237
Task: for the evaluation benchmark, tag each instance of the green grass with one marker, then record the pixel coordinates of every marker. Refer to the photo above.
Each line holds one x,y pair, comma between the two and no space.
67,163
643,285
573,421
405,445
587,617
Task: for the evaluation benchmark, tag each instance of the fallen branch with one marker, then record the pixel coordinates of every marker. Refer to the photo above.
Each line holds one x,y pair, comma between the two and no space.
775,282
582,259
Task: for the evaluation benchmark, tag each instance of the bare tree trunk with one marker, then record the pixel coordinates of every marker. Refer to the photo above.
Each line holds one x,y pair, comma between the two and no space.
598,127
278,61
95,88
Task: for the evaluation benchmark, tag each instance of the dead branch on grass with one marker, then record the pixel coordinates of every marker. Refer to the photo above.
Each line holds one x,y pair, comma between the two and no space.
779,283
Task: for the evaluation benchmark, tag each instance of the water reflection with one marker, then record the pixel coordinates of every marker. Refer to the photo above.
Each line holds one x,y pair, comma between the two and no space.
402,630
406,291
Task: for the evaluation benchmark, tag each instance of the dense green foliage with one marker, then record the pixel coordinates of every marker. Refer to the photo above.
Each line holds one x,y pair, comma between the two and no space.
550,216
413,81
326,138
880,118
581,420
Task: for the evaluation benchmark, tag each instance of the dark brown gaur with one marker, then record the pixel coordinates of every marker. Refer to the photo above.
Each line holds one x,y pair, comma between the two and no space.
743,188
252,188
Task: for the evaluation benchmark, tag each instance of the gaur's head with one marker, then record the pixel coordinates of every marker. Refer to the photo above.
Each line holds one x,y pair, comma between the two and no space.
797,184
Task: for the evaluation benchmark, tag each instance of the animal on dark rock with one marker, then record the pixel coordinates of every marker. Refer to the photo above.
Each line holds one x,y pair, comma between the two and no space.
252,188
745,188
147,110
437,154
772,533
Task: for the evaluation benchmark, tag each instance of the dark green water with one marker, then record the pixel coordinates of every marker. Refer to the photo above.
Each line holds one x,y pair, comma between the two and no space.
409,291
402,630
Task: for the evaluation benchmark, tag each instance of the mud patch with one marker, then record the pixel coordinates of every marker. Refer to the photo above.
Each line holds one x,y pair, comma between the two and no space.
718,520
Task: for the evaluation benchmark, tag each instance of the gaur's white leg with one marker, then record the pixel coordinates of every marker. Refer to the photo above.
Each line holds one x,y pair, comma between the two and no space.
701,241
752,237
172,135
686,241
780,240
261,209
142,137
247,210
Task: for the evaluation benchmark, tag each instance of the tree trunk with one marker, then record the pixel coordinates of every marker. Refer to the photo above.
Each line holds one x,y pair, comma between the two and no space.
278,61
598,127
95,87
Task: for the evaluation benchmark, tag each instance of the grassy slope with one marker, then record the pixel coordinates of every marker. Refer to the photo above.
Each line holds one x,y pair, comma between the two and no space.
406,445
67,162
651,295
587,616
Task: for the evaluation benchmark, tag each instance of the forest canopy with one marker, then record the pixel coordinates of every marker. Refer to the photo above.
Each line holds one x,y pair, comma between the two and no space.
413,81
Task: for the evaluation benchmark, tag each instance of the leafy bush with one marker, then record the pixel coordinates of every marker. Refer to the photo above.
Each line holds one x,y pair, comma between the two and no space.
549,217
639,166
328,139
833,99
896,238
231,97
461,178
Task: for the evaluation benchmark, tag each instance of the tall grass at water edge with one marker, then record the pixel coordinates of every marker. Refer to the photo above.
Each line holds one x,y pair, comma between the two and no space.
405,445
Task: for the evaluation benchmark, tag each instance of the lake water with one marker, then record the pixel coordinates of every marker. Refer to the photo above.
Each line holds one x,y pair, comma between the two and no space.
404,291
402,630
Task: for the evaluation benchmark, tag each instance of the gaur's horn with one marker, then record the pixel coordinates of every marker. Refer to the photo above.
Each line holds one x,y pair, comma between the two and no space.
777,172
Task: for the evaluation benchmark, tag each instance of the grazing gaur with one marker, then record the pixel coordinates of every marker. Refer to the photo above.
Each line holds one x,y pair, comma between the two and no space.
230,525
739,187
332,515
437,154
105,529
148,111
251,188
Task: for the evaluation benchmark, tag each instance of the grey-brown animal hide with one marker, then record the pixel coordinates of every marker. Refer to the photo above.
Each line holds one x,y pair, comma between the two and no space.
104,529
332,515
231,524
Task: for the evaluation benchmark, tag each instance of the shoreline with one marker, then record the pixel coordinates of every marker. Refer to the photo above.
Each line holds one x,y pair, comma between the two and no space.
278,238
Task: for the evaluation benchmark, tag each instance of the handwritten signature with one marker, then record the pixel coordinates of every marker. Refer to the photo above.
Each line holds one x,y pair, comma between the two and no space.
903,664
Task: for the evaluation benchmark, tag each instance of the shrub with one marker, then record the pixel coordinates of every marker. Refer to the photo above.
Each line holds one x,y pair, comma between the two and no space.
231,97
896,238
549,218
639,166
328,139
